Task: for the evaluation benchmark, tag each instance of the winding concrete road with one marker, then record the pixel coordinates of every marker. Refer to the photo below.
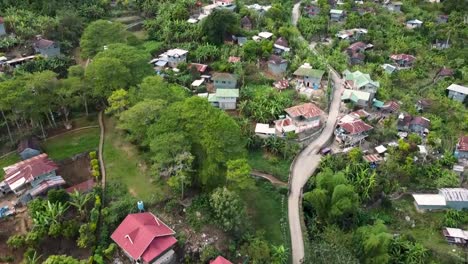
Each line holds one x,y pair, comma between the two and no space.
308,160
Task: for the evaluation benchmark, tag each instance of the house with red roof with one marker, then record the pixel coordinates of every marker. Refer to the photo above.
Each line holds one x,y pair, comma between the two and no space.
2,27
29,173
281,45
403,61
220,260
417,124
144,238
461,151
300,118
353,132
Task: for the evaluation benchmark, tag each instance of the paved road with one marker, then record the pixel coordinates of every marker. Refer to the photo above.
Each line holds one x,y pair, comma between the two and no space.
308,160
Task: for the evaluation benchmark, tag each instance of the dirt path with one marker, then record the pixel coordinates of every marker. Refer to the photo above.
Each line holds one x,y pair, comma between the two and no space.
269,177
308,160
101,147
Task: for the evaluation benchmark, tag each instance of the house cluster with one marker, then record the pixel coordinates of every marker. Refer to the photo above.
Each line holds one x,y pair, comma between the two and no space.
170,58
299,119
360,88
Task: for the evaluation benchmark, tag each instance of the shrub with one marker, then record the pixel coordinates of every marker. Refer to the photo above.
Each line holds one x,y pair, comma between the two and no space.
58,196
92,155
96,168
96,173
94,162
16,241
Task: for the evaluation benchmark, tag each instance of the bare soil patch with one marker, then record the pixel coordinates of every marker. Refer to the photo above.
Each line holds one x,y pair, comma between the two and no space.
75,170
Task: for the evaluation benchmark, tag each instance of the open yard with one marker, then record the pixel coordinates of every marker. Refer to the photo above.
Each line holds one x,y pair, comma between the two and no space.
427,230
124,164
71,143
267,209
8,160
267,163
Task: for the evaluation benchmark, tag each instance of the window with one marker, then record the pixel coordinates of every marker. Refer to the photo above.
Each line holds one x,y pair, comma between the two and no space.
223,81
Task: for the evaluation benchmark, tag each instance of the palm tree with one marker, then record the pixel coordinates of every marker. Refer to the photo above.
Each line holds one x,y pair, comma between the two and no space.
279,254
79,201
33,259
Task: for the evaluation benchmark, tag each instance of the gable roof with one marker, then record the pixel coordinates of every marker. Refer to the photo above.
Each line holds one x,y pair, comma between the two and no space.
143,235
274,59
357,46
217,76
445,72
463,143
359,79
220,260
306,70
355,96
356,127
404,57
429,199
43,43
282,42
458,88
200,67
306,110
421,121
26,171
227,93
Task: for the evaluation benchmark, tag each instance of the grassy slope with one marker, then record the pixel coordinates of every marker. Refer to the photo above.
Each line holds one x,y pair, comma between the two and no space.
265,211
279,169
124,164
8,160
72,143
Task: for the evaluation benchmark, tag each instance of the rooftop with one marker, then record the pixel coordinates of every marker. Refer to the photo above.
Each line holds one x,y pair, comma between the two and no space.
265,35
404,57
463,143
176,52
218,76
356,127
306,70
227,93
144,235
355,96
220,260
43,43
306,110
359,79
274,59
454,194
456,232
458,88
429,199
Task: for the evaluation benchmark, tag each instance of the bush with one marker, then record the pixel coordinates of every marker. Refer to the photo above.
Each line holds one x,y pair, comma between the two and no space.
209,252
58,196
94,162
16,241
92,155
96,173
96,168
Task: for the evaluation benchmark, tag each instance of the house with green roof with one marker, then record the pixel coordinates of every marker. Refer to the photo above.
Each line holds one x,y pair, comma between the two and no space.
359,81
359,98
225,99
309,77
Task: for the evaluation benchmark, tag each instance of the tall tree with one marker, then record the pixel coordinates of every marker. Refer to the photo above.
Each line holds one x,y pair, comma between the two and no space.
227,208
373,243
99,34
218,24
238,175
106,75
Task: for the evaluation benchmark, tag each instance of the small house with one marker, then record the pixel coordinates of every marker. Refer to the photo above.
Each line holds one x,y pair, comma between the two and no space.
223,80
337,15
145,239
172,58
352,133
264,130
358,98
265,35
414,23
458,169
447,198
394,6
458,92
259,8
28,148
281,84
220,260
246,23
2,27
47,48
355,52
455,235
225,4
461,150
359,81
234,59
27,174
277,65
388,68
281,45
351,34
429,202
390,107
403,60
200,68
309,77
225,99
83,187
300,118
418,124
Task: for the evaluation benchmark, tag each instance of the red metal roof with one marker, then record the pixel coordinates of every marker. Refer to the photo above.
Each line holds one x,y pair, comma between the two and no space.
220,260
463,144
233,59
306,110
404,57
372,158
200,67
144,235
28,170
422,121
46,185
356,127
357,46
391,106
85,186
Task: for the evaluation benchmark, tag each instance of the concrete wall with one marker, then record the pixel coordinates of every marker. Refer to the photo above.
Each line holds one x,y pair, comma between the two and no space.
50,52
457,96
277,69
225,84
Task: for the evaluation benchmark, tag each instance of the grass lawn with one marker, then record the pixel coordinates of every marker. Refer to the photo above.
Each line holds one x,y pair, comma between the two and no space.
266,211
276,167
8,160
427,229
124,164
72,143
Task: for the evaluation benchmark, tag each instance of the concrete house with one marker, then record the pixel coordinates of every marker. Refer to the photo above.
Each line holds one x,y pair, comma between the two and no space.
300,118
145,239
458,92
2,27
281,45
418,124
225,99
394,6
461,150
309,77
246,23
224,80
277,65
171,58
337,15
359,81
47,48
359,98
446,198
351,133
28,148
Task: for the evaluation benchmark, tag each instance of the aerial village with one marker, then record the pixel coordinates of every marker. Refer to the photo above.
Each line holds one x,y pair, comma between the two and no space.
233,131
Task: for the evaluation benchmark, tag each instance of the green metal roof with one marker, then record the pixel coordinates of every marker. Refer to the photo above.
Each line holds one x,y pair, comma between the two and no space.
212,98
227,93
360,79
378,104
355,96
306,71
